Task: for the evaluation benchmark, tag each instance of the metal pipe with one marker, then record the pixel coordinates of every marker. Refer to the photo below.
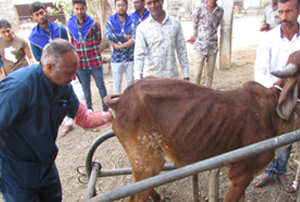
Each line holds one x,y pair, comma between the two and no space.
128,171
195,188
193,169
96,143
92,182
213,185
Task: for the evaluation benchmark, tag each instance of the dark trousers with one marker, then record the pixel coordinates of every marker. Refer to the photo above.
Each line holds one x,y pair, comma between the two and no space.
49,191
85,79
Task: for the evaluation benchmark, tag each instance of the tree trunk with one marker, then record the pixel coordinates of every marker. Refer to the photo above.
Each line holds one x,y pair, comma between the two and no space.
99,13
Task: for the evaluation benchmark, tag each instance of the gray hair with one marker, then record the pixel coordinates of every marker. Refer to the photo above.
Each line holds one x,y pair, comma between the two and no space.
55,50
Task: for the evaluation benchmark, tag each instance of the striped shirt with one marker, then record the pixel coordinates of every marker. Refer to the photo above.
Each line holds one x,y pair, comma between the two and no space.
88,49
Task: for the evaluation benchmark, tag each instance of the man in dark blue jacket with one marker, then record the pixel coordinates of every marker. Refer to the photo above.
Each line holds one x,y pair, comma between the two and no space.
33,102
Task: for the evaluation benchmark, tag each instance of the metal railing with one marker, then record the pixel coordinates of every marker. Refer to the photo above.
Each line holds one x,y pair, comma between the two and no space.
179,173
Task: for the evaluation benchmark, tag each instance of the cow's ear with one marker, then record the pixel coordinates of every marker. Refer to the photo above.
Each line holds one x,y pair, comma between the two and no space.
288,99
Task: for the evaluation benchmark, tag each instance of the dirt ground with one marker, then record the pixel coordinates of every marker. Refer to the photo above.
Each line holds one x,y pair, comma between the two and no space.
73,148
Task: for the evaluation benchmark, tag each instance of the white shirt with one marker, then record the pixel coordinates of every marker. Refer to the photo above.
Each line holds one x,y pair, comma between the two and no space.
155,46
271,16
272,54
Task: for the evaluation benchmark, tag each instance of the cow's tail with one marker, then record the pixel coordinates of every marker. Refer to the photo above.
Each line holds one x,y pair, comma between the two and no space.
112,101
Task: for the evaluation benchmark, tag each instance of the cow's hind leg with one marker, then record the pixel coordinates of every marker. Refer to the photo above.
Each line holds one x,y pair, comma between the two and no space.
239,178
146,162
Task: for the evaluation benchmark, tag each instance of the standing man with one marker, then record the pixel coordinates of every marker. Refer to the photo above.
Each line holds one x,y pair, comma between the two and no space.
157,38
206,20
272,54
120,31
45,31
85,34
42,34
33,103
270,18
141,13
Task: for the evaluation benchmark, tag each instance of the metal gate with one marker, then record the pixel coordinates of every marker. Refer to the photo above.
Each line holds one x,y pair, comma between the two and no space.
94,169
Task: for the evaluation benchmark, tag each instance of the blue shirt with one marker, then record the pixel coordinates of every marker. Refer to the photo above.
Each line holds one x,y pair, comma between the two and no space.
115,31
36,48
30,116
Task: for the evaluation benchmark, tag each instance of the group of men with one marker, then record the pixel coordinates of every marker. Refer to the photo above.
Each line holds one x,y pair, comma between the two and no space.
146,42
35,99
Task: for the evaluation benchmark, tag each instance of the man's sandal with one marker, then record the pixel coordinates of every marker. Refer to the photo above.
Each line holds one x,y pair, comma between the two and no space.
261,180
285,183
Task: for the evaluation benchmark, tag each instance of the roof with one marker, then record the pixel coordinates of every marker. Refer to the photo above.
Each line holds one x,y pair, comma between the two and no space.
19,2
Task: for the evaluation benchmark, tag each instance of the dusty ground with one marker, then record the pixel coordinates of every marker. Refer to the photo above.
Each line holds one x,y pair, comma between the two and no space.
74,146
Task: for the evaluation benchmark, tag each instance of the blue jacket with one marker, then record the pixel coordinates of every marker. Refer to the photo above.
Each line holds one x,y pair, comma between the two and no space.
139,19
30,116
115,33
39,38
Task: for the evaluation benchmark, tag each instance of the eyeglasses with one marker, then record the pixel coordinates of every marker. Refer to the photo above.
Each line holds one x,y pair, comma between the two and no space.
121,5
7,31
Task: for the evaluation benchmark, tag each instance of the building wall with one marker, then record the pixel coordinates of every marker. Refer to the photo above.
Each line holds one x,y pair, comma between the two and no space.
8,11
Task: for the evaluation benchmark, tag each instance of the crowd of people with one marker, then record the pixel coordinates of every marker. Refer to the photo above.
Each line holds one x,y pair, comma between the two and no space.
48,80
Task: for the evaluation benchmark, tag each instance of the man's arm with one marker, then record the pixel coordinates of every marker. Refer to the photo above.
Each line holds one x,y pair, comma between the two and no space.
264,26
97,33
196,17
12,103
182,52
2,75
110,34
130,39
87,119
140,50
36,51
262,65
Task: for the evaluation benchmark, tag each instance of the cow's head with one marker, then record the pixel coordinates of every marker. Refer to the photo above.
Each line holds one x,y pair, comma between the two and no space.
289,95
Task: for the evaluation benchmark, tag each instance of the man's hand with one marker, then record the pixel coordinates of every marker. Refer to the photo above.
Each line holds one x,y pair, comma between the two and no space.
265,27
191,40
127,36
117,46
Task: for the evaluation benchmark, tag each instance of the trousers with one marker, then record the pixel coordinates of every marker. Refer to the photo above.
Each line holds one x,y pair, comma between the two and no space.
210,67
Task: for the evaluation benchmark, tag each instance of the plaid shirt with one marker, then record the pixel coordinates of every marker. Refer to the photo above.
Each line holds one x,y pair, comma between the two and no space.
88,49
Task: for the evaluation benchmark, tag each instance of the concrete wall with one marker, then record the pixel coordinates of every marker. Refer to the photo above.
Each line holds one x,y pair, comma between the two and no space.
8,11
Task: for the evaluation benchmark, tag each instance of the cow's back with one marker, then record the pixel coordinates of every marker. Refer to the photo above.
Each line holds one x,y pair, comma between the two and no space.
188,122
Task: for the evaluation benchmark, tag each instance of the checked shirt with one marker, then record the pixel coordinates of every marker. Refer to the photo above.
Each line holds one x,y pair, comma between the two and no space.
88,49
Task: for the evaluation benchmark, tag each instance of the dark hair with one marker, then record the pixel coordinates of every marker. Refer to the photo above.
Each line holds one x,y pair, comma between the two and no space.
4,23
79,2
35,6
120,0
284,1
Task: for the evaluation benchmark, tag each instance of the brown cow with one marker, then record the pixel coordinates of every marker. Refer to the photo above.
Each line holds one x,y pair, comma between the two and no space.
158,120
